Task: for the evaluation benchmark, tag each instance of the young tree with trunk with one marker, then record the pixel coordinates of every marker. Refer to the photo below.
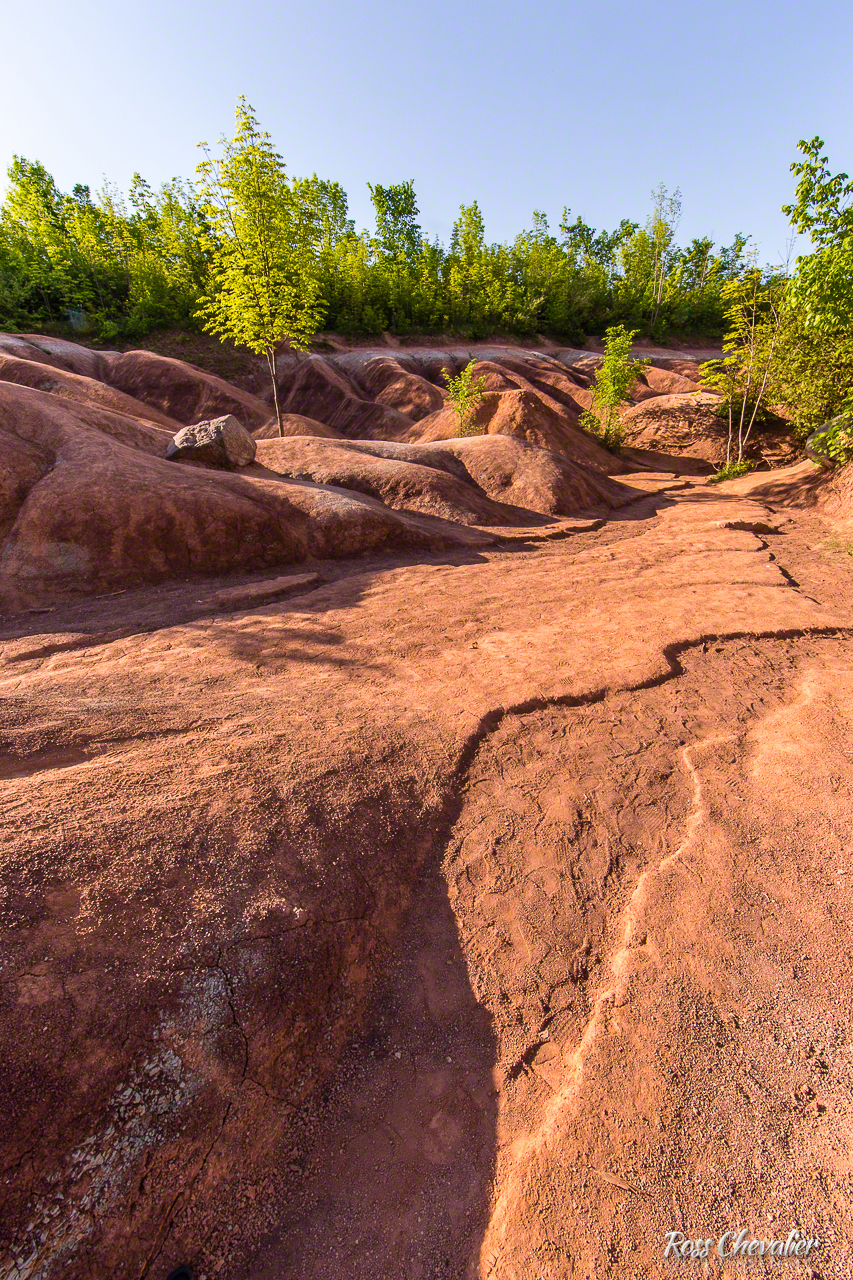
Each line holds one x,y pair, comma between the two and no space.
662,228
465,394
747,374
613,379
263,240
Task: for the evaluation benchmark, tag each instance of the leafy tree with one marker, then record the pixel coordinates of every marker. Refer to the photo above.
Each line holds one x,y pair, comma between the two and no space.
747,374
662,228
398,233
823,286
263,242
465,394
815,364
814,370
613,379
155,259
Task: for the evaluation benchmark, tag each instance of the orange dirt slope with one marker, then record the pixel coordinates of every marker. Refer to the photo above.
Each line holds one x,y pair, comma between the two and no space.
464,904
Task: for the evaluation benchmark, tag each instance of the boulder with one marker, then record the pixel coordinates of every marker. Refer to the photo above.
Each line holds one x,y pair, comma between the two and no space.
219,442
816,443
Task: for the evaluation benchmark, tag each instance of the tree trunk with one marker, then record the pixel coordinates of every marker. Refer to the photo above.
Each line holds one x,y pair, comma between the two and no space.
271,361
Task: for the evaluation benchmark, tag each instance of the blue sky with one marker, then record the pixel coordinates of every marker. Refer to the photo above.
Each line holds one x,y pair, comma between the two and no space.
588,105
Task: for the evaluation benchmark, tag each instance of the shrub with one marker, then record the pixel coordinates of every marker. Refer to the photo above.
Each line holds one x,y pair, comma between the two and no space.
465,395
612,380
731,470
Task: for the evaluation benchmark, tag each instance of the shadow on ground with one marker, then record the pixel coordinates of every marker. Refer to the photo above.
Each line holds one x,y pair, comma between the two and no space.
401,1184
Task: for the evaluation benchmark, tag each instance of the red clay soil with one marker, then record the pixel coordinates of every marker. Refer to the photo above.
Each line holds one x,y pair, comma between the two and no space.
84,391
88,503
296,424
470,481
318,389
468,910
806,485
526,416
395,382
688,423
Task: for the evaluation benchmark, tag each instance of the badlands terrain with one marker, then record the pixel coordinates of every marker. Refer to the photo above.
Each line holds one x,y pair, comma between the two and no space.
423,856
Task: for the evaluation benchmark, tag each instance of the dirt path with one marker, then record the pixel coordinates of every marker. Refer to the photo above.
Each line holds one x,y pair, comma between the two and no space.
574,816
617,1010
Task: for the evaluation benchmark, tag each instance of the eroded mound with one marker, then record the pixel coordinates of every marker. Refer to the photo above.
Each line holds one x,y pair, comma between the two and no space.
296,424
484,480
180,390
689,423
525,416
394,381
82,390
407,486
177,391
88,503
91,504
317,389
679,423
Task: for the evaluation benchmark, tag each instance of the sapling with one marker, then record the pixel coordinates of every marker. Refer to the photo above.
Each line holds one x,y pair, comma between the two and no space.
613,378
264,277
747,370
465,394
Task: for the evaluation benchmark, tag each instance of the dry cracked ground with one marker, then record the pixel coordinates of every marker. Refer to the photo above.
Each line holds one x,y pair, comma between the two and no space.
475,911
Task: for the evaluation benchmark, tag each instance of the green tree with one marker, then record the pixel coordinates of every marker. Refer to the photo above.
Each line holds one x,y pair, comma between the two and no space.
154,259
465,394
814,370
263,242
747,376
815,358
662,228
613,379
822,289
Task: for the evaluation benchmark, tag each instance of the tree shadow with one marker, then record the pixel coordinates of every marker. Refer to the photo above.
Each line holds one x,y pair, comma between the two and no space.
398,1185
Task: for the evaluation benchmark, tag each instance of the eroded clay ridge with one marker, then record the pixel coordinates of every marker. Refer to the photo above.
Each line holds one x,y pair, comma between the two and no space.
560,797
369,459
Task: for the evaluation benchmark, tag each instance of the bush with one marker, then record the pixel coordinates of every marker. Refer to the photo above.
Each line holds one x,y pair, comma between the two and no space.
465,395
612,380
731,471
833,441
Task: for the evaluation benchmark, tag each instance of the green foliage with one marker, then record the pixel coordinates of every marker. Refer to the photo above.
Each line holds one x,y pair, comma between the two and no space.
815,361
731,470
124,272
737,406
822,290
747,376
814,376
835,441
263,241
613,379
464,395
156,260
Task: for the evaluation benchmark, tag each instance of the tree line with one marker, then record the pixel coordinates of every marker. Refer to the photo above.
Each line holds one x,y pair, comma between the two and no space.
121,266
259,257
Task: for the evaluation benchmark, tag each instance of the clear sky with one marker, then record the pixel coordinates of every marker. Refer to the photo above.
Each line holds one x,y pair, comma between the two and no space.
558,103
